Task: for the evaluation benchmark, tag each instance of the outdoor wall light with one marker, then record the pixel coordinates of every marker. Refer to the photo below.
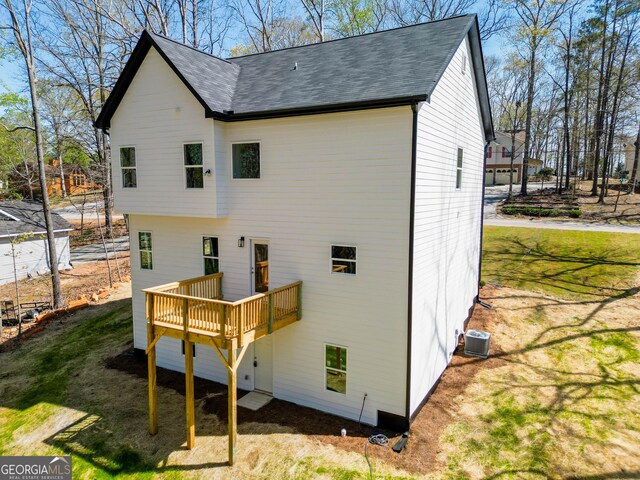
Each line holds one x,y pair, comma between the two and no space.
208,172
241,242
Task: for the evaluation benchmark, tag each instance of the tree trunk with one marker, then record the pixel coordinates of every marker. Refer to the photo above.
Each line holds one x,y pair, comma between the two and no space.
26,49
527,127
614,115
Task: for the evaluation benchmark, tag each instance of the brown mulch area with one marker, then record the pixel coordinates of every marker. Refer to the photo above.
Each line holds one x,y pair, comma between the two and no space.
627,211
420,454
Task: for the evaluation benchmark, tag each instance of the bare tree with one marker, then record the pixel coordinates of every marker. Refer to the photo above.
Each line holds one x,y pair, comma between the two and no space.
21,28
316,11
492,17
536,20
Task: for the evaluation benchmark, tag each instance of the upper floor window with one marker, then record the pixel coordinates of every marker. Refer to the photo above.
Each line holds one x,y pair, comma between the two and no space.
210,255
246,160
193,165
459,169
343,259
146,250
128,167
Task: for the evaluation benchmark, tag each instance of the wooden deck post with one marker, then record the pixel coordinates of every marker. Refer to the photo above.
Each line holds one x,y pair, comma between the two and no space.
233,413
151,369
188,373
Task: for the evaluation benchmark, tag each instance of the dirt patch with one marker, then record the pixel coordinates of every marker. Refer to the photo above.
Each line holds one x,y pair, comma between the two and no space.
420,454
85,279
87,232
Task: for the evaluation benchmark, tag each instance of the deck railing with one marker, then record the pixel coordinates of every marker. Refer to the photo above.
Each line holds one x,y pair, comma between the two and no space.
196,305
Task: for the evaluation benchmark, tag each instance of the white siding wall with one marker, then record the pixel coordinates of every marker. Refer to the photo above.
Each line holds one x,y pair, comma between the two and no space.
157,116
31,256
341,178
447,222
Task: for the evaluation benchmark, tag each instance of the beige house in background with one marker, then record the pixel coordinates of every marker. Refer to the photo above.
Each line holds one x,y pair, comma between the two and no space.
497,169
629,152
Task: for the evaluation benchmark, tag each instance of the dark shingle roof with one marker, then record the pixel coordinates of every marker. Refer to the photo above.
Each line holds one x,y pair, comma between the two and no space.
30,218
396,63
396,66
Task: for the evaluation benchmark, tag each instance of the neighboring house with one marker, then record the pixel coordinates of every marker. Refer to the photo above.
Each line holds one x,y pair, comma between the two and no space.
498,167
22,223
354,166
629,154
76,179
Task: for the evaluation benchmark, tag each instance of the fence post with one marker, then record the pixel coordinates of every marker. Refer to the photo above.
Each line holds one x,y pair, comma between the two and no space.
299,301
270,321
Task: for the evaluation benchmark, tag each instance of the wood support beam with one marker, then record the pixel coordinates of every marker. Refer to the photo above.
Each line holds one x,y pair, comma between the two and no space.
153,390
190,410
233,413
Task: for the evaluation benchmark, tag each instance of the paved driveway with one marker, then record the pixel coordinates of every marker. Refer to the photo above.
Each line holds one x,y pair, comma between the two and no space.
95,251
494,195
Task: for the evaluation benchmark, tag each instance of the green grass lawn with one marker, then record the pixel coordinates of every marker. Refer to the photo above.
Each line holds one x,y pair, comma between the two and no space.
563,404
563,263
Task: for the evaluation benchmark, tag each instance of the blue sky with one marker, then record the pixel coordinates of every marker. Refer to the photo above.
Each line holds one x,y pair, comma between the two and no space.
13,76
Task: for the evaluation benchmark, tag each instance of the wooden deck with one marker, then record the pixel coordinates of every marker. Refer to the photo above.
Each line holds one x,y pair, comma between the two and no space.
194,311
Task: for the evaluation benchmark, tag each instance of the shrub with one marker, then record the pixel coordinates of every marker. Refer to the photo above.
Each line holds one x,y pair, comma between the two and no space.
540,212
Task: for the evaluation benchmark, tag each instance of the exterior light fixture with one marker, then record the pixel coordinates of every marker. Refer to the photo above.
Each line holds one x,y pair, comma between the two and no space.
241,242
208,172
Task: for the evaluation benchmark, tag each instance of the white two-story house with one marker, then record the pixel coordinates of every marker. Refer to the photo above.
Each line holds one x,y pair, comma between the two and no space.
353,166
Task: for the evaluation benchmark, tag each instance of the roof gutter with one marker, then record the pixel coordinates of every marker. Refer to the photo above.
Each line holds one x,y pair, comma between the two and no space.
35,233
230,116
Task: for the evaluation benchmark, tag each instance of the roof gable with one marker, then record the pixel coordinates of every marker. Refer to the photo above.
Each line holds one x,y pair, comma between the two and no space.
392,67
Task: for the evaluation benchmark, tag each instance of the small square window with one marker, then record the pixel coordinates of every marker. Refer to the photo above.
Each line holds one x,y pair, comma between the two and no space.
194,171
146,253
343,259
210,255
246,160
336,368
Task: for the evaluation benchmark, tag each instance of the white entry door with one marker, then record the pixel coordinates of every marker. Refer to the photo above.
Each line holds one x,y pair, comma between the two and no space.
263,364
263,348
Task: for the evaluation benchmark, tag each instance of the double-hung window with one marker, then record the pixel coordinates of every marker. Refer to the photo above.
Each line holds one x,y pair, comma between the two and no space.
194,170
335,359
343,259
459,169
128,167
146,251
210,255
246,160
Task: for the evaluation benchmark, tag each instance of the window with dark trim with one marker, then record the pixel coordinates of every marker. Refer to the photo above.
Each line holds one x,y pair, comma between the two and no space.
128,167
210,255
194,171
335,361
146,250
343,259
459,169
246,160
